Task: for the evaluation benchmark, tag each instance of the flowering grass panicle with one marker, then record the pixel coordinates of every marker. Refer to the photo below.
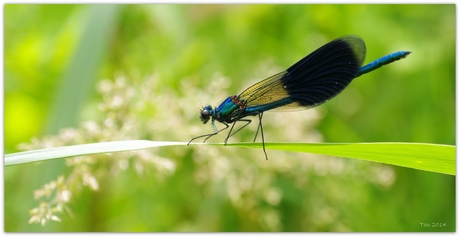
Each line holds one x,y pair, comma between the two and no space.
120,123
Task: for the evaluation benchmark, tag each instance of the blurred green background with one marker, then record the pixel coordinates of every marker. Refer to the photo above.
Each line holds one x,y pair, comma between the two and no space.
193,55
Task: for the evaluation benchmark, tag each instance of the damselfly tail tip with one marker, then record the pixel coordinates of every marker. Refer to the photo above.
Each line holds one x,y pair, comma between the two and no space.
406,53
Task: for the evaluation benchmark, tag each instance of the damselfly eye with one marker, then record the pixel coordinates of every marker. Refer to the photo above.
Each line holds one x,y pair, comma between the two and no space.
205,114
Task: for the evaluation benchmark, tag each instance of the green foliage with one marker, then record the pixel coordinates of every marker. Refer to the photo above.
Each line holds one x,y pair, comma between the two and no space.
154,65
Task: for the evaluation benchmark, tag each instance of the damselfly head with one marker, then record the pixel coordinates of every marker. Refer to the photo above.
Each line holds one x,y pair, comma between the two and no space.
205,114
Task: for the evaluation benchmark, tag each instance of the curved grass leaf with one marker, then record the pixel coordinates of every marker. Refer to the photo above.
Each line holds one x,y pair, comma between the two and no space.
422,156
84,149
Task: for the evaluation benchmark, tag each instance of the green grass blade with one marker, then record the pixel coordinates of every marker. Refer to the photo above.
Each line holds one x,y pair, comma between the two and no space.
422,156
85,149
78,82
